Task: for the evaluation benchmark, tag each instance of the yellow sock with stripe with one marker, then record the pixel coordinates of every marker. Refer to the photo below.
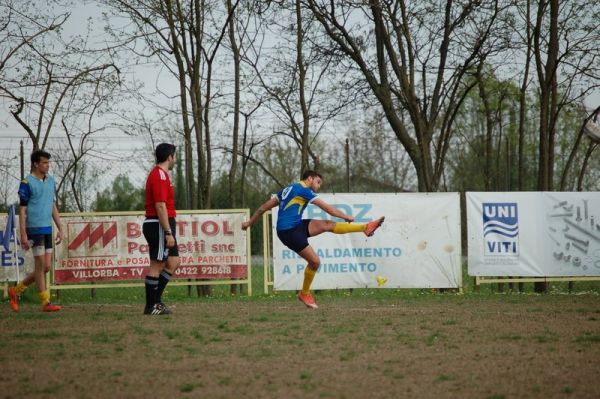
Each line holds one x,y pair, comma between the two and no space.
20,288
309,275
44,297
343,227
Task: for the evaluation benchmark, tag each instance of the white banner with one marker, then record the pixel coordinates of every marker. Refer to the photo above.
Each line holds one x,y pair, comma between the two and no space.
418,245
534,234
8,260
111,247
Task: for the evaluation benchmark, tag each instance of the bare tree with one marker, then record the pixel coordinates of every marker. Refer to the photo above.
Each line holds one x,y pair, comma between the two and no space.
185,37
566,53
295,76
236,104
422,52
527,39
23,33
48,79
547,78
592,144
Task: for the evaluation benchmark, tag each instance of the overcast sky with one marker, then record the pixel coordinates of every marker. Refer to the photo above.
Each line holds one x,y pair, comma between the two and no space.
115,143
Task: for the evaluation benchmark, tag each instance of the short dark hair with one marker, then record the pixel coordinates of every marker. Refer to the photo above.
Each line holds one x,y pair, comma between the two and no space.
163,150
37,156
310,173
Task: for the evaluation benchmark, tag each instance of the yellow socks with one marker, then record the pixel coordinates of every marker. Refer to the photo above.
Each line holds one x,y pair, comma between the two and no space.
309,275
343,227
44,297
20,288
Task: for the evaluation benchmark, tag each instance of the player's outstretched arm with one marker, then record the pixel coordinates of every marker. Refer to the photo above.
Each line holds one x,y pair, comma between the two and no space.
332,210
266,206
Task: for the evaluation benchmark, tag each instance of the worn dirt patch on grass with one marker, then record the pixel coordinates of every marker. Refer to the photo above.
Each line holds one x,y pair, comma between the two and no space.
355,347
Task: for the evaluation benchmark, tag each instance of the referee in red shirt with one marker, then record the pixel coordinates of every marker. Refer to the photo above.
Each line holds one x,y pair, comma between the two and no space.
159,229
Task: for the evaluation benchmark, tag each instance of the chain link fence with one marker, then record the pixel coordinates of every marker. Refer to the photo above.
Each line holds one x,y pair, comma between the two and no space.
100,180
78,183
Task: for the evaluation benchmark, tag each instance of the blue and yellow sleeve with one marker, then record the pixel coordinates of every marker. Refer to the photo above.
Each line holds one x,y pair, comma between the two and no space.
24,193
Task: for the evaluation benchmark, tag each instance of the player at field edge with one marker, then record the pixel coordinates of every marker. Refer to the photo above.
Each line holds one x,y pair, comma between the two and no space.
37,210
159,229
293,231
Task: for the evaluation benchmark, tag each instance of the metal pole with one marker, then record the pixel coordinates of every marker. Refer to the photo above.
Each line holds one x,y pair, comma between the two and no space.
22,156
507,164
347,150
12,210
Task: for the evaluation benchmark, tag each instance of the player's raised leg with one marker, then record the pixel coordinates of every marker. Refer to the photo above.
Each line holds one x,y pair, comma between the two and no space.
317,227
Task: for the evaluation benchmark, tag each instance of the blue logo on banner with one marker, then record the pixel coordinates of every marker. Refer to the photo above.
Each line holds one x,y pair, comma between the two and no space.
360,212
501,228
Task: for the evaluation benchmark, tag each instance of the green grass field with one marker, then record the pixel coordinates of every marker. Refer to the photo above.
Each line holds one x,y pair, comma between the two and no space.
359,343
223,292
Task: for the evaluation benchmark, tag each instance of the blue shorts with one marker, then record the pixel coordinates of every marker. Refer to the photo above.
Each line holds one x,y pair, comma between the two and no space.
295,238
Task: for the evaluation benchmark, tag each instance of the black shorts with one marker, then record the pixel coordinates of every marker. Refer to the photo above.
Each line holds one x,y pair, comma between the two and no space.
39,240
295,238
157,241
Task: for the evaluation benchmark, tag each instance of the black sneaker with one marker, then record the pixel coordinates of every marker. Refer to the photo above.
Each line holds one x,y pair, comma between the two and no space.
165,309
157,309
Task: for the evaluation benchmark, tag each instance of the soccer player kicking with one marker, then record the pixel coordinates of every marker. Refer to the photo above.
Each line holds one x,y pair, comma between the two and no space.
293,231
37,209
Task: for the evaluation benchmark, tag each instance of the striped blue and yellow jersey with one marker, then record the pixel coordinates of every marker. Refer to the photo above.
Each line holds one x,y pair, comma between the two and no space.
293,199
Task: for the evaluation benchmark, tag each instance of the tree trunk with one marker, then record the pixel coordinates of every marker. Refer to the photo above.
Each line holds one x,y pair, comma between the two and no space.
236,108
523,104
548,93
304,150
489,127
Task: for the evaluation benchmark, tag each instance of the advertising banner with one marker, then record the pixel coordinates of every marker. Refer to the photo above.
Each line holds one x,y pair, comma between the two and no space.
9,259
108,247
533,234
418,245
